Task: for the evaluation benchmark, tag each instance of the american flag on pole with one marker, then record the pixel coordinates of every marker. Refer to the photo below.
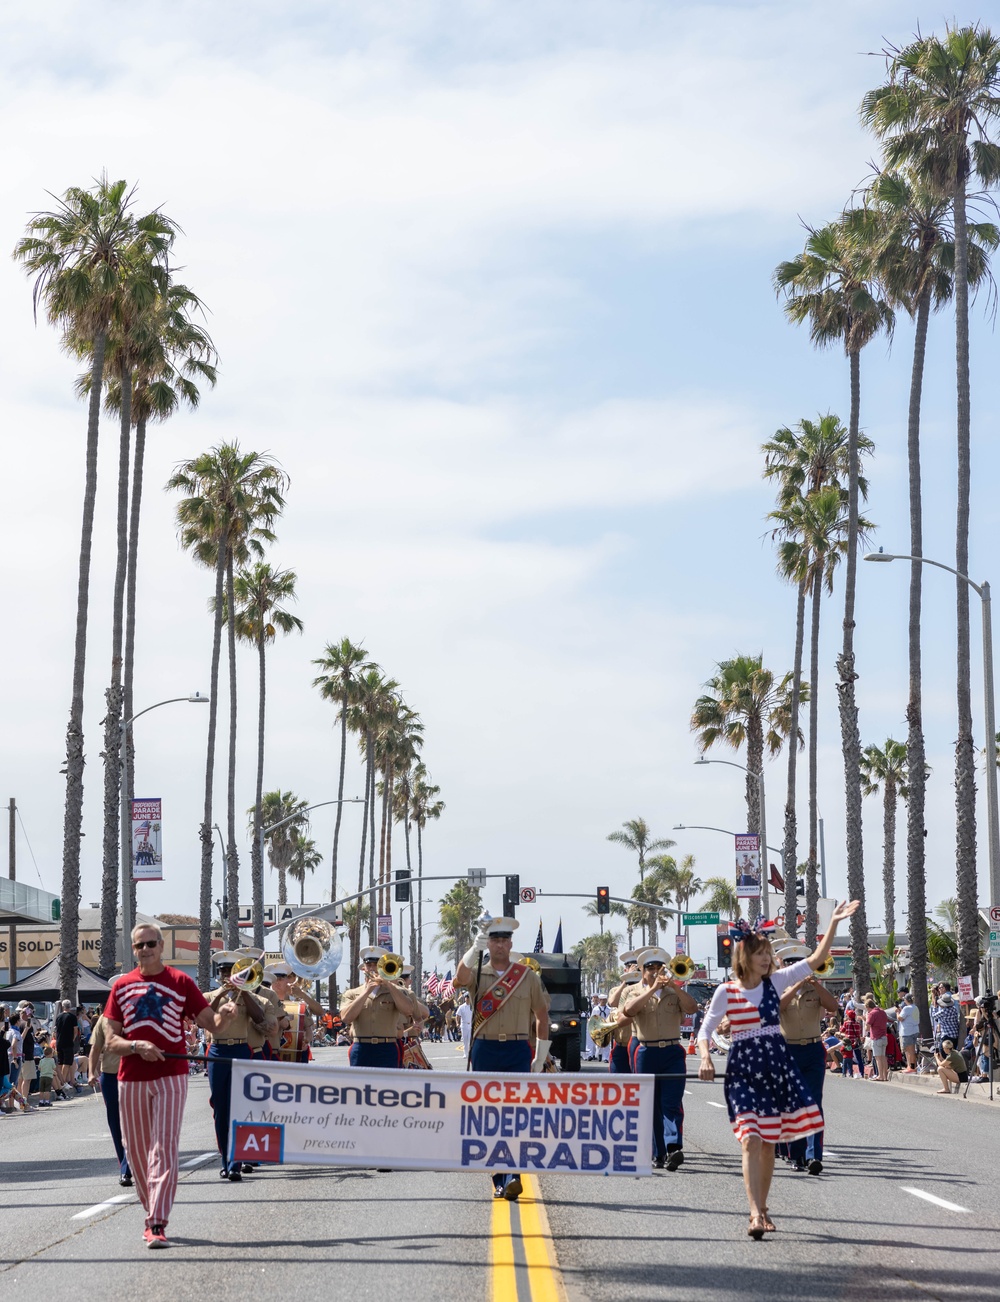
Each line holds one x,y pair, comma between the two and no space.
539,942
447,988
433,983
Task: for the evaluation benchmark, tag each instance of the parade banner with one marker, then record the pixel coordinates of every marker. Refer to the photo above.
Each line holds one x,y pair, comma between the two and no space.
440,1121
147,857
747,866
384,931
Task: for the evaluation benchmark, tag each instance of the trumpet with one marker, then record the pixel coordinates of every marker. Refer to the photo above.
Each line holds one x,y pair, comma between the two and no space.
682,967
826,969
601,1031
390,967
530,961
247,974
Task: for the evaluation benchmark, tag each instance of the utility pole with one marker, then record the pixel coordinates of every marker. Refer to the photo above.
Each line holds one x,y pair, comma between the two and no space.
12,874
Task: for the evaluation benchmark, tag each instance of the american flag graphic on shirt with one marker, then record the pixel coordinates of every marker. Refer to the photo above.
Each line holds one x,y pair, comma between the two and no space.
152,1006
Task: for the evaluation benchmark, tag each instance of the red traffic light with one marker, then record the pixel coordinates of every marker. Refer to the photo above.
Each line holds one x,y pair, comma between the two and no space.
603,899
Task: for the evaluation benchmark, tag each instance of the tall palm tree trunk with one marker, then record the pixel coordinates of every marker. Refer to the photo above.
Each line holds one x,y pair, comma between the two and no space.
257,851
754,788
69,926
110,869
966,889
889,854
789,848
232,854
850,734
383,815
205,831
390,790
356,928
373,919
128,707
812,871
340,795
916,890
419,963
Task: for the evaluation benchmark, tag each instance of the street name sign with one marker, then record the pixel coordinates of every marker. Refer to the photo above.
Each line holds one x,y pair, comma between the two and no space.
699,919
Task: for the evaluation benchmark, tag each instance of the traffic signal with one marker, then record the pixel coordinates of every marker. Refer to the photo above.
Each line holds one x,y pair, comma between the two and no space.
724,945
603,899
512,895
402,894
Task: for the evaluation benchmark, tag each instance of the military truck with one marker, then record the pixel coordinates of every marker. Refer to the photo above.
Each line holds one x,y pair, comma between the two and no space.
568,1011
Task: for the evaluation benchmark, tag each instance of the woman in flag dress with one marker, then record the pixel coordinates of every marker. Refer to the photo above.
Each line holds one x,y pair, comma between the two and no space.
767,1099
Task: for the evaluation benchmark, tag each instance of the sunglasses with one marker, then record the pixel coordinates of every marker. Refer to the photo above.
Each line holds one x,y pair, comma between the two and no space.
145,944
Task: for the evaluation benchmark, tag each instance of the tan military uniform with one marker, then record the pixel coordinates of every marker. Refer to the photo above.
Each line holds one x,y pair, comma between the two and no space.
801,1016
379,1018
513,1018
275,1011
98,1039
238,1030
659,1019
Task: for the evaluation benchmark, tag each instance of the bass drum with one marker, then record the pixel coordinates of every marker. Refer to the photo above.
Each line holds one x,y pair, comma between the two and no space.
294,1041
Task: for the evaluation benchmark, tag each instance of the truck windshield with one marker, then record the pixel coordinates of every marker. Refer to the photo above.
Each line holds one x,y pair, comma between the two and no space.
562,1003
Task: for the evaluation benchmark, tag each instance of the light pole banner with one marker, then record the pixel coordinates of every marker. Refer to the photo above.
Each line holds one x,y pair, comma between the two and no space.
680,945
440,1121
747,866
384,932
147,847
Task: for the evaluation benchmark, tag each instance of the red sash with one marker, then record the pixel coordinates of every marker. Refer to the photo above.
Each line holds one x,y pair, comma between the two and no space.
499,991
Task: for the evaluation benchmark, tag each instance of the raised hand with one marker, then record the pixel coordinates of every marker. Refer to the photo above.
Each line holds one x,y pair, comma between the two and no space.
843,911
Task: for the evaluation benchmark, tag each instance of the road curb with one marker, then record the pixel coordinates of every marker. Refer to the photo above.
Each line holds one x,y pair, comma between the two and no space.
929,1085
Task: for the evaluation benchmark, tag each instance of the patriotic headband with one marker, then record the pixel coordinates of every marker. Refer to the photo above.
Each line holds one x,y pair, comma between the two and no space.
740,930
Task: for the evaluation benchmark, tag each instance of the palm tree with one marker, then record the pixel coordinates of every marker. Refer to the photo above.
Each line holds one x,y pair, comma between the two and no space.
635,835
375,698
746,707
258,619
305,858
916,260
831,286
598,955
424,806
721,898
934,117
458,911
286,808
815,533
803,460
355,917
677,880
615,910
397,744
886,768
161,353
233,498
341,662
94,264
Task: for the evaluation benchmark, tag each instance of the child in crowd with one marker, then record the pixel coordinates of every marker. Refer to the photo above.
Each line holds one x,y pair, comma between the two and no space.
46,1070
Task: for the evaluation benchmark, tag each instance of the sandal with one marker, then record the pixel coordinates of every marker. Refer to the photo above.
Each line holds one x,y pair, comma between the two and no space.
769,1225
755,1230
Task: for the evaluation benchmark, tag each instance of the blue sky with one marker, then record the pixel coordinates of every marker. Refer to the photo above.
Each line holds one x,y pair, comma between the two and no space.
493,282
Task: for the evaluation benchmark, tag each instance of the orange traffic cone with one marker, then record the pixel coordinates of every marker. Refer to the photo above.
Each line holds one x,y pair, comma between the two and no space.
690,1052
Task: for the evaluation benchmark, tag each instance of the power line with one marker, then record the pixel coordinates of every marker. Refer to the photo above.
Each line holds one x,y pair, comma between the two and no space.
17,810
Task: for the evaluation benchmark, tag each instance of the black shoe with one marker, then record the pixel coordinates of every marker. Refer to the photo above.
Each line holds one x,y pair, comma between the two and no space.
498,1191
674,1159
798,1166
512,1189
815,1166
125,1181
658,1163
248,1168
234,1176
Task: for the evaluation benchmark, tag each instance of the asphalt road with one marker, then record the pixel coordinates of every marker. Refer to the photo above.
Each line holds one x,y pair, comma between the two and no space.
862,1230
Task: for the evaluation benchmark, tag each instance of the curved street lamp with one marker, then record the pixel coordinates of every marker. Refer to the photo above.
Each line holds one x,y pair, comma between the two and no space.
765,870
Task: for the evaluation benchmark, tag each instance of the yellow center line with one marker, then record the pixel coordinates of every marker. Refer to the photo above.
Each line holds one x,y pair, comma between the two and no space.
523,1265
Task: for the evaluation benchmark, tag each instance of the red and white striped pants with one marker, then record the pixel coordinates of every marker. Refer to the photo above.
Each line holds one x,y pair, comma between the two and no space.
151,1113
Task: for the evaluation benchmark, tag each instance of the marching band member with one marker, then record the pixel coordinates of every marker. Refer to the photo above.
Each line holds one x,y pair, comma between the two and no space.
235,1044
620,1060
767,1099
290,990
372,1012
504,996
802,1007
655,1008
270,1042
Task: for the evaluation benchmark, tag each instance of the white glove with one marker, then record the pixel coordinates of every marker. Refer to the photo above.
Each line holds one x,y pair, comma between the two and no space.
479,946
541,1053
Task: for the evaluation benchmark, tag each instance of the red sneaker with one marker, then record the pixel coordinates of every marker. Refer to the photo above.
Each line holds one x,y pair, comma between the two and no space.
155,1236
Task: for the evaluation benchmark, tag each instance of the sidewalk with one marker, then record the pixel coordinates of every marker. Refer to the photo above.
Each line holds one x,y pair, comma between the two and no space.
930,1084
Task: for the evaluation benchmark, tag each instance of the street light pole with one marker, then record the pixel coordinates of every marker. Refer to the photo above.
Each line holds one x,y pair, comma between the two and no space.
989,703
195,698
702,827
762,829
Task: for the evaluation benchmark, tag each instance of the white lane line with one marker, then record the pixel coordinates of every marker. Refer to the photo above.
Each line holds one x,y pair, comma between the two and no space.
102,1207
197,1161
712,1104
933,1198
689,1091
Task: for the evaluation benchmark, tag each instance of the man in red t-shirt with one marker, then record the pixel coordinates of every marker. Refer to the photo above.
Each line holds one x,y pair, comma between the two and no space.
877,1026
145,1022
